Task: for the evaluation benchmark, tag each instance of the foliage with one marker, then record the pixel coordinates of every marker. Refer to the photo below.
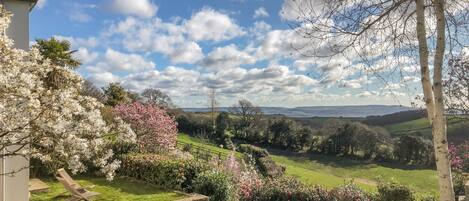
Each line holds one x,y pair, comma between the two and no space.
460,156
256,152
414,150
394,118
116,94
41,107
247,111
215,184
165,171
349,192
57,51
90,90
155,129
284,189
157,97
222,122
193,124
393,191
458,182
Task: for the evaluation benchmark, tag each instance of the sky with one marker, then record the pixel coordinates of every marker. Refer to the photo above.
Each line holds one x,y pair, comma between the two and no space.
241,48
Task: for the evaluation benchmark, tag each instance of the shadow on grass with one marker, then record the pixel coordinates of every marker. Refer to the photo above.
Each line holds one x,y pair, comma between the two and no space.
341,162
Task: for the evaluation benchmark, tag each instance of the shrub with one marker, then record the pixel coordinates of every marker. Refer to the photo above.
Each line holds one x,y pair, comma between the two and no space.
165,171
284,189
349,192
215,184
120,148
458,182
155,129
394,191
256,152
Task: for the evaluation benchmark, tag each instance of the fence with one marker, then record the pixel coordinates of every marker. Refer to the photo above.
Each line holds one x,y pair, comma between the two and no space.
200,151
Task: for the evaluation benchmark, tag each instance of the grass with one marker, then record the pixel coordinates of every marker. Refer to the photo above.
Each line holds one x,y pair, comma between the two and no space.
118,189
330,171
204,143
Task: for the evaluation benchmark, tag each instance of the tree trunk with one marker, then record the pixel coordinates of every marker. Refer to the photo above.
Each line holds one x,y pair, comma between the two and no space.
434,98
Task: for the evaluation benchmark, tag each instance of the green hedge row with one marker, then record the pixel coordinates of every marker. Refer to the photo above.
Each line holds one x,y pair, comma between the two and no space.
165,171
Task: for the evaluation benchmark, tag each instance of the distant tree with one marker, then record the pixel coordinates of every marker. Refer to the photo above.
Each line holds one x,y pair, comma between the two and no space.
412,149
223,122
212,103
58,52
247,112
157,97
366,30
116,94
89,89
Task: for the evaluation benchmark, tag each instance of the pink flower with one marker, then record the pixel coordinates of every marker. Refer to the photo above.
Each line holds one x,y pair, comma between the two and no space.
154,127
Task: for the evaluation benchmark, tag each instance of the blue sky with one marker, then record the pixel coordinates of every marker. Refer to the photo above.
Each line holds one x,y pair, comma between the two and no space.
242,48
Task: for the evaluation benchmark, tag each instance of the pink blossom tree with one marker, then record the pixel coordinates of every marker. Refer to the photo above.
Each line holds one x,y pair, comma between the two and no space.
155,129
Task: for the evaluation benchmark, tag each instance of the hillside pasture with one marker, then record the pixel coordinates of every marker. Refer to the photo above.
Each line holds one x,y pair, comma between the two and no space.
331,171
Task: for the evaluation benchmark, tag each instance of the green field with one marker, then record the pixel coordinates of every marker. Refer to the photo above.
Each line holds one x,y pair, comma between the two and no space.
330,171
118,189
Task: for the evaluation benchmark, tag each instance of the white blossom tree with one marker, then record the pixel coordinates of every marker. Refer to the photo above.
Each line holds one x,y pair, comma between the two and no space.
43,115
384,36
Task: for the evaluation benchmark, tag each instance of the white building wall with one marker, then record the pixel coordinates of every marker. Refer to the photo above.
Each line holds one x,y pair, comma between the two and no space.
15,188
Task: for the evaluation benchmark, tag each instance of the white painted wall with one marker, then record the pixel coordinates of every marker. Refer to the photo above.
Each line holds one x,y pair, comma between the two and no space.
15,188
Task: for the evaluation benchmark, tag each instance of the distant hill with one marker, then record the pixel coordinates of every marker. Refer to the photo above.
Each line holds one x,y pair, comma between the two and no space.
395,118
323,111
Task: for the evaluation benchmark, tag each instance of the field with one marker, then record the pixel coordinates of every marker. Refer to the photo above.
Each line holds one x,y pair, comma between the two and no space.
329,171
118,189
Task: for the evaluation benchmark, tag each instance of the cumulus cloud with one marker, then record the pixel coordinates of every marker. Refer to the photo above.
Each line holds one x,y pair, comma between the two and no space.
226,57
260,12
139,8
118,62
211,25
85,56
78,42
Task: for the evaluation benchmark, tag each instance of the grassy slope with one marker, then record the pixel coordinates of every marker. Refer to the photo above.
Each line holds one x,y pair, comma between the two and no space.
118,189
332,171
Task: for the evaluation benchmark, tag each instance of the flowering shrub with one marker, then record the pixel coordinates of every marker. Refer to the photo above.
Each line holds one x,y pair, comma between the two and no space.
41,107
155,129
163,170
349,192
460,156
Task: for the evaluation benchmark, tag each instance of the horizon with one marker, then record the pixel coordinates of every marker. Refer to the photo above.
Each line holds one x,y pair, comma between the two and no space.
242,49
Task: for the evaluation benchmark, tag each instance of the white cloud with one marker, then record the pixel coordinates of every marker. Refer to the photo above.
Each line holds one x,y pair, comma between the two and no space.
103,78
292,9
118,62
189,52
139,8
85,56
76,43
211,25
226,57
80,16
41,3
260,12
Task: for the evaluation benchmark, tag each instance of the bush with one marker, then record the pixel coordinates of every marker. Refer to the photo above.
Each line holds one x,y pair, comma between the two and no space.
215,184
458,182
120,148
349,192
256,152
394,191
163,171
285,189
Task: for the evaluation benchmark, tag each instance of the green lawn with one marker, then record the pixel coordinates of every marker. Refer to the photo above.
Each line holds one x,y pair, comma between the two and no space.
329,171
118,189
203,143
